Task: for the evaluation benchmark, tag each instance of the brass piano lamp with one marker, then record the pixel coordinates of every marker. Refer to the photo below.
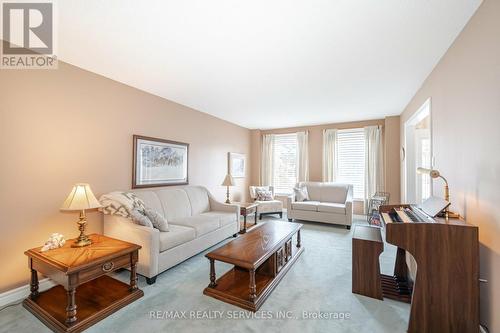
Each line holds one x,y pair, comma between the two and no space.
435,174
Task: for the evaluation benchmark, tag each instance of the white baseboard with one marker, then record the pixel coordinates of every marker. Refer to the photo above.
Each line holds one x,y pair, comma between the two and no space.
17,294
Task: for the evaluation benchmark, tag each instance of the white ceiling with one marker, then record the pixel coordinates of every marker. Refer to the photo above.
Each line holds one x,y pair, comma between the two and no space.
262,63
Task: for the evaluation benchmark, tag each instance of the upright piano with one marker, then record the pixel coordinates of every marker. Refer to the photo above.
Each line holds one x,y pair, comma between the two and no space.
445,293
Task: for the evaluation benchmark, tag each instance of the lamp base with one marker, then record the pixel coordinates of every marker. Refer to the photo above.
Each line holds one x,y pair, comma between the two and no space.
82,239
81,242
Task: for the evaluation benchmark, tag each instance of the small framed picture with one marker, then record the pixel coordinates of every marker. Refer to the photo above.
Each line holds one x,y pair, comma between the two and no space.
236,165
159,162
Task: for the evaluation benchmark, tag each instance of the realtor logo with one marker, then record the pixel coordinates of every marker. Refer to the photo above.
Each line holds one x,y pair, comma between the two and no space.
28,35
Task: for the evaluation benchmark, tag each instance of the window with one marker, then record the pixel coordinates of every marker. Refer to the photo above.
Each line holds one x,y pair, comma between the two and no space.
351,159
285,163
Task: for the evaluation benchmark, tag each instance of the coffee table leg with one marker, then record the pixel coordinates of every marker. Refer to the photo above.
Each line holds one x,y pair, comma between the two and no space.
256,215
133,271
71,306
34,283
298,238
212,274
253,287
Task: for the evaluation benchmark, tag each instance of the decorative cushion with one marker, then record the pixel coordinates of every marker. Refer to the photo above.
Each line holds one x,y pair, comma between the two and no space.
140,218
158,221
264,195
120,203
253,190
301,193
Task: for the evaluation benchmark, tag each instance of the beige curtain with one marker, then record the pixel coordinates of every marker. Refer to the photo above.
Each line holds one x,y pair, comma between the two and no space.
374,162
302,156
329,154
266,176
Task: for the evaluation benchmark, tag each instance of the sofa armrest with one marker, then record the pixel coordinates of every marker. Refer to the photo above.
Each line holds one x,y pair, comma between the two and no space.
348,204
223,207
148,238
289,200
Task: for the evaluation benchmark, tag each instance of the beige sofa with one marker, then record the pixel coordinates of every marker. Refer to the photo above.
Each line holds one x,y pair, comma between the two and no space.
266,207
196,222
328,203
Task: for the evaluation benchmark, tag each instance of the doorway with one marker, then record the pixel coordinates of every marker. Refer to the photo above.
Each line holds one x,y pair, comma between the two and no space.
418,153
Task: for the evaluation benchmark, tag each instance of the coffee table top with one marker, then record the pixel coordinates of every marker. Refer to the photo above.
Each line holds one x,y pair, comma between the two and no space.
250,250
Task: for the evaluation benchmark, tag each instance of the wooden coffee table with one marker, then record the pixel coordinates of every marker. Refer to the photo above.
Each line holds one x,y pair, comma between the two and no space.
261,258
85,294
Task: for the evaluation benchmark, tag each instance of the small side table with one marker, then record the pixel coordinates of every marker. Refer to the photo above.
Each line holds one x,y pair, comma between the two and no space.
247,208
85,294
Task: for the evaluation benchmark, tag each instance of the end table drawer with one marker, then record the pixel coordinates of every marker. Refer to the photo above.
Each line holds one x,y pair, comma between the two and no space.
104,268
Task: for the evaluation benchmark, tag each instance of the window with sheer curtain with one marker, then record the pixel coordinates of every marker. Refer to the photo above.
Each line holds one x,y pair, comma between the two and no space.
285,163
351,159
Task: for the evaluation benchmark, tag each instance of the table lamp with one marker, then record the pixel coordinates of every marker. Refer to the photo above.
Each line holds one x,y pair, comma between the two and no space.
228,181
80,199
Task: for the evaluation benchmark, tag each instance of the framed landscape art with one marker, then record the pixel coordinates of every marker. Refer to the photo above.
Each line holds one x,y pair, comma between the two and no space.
159,162
236,165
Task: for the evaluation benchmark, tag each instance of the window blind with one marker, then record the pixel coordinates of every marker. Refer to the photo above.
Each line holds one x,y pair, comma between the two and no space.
351,159
285,163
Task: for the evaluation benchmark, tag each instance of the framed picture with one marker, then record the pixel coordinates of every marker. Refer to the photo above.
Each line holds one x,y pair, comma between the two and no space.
236,165
159,162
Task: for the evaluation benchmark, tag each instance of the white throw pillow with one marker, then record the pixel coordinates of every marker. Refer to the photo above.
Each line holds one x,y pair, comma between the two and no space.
159,222
139,217
301,193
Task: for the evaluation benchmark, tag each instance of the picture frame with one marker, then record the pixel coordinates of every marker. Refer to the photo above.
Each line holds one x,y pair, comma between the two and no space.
159,162
237,165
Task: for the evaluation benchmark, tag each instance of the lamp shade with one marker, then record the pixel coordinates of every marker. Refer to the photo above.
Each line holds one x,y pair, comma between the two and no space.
430,172
228,181
80,198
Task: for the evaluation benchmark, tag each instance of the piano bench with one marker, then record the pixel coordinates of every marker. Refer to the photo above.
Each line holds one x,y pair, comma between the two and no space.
367,245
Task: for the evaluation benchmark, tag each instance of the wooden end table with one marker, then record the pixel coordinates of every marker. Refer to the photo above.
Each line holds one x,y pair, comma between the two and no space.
247,208
85,294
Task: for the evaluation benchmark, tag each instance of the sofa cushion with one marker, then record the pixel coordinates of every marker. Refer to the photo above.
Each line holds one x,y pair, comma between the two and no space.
313,190
306,205
203,224
331,207
198,197
176,235
225,218
269,206
150,199
175,203
331,192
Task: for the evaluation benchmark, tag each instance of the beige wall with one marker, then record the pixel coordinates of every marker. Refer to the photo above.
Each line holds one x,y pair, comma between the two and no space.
391,149
60,127
465,94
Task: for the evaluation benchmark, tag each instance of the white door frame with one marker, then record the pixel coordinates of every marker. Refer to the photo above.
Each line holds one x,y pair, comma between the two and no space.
424,110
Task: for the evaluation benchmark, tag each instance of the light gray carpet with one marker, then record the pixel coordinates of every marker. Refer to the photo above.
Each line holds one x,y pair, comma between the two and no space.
320,281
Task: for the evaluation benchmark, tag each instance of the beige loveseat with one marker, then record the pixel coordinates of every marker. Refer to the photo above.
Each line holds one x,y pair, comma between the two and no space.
196,222
328,203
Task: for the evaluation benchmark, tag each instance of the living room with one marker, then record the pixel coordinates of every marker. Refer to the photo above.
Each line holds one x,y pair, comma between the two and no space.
320,166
